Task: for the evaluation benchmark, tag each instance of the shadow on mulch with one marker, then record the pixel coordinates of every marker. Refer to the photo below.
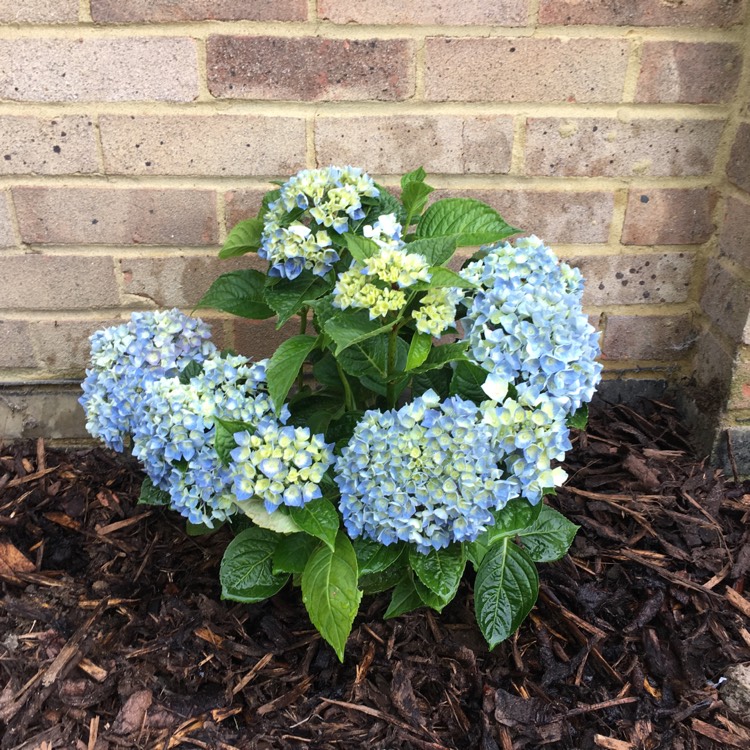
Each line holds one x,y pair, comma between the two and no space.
113,635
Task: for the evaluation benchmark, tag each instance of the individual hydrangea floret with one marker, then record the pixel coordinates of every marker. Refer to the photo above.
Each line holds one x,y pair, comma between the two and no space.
526,325
296,226
175,435
280,465
124,358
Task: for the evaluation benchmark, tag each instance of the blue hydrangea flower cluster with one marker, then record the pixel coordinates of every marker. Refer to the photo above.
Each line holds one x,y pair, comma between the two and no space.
281,465
174,436
296,226
124,358
526,326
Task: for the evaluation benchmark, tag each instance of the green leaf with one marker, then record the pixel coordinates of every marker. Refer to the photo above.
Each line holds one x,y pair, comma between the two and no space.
330,593
191,370
244,238
224,441
420,346
550,537
246,572
317,411
366,359
326,372
319,518
375,583
580,419
442,355
444,278
347,328
437,380
200,529
405,598
239,293
152,495
293,552
505,590
388,204
467,381
416,175
277,521
287,298
470,221
437,250
284,365
373,557
429,597
361,248
440,570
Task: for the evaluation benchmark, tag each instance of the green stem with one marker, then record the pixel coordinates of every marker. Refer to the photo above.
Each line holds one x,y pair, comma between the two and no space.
349,402
302,330
390,394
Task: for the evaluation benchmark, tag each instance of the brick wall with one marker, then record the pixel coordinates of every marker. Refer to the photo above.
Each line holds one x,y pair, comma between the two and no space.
134,133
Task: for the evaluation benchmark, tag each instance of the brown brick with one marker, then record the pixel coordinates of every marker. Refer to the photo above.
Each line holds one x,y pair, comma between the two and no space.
635,279
695,73
525,70
39,11
726,301
196,145
669,216
164,11
63,345
738,168
425,12
17,349
557,217
57,282
7,233
398,143
242,204
87,70
35,145
641,12
661,337
711,373
734,240
310,68
259,338
609,148
94,216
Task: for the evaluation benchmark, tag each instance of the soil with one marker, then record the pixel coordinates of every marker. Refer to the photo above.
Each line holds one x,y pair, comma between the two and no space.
113,633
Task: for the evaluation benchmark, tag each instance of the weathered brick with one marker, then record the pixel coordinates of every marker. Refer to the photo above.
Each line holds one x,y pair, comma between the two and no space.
635,279
695,73
310,68
7,234
34,411
197,145
57,282
242,204
726,301
641,12
669,216
259,338
93,216
164,11
609,148
525,70
398,143
38,11
739,396
557,217
425,12
64,346
87,70
35,145
738,168
17,349
734,240
660,337
711,371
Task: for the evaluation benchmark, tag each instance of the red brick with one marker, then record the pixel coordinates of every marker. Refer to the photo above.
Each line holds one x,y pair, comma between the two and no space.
734,240
726,301
635,279
610,148
93,69
7,233
310,68
661,337
64,346
39,11
525,70
669,216
243,204
557,217
738,168
104,216
165,11
259,338
35,145
17,349
198,145
395,144
641,12
694,73
425,12
57,282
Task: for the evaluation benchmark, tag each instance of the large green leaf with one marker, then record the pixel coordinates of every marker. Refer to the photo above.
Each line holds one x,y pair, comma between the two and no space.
284,365
436,250
467,381
287,298
444,278
224,442
375,583
405,598
348,327
366,359
361,248
319,518
278,521
246,572
550,536
373,557
152,495
470,221
440,570
293,552
244,238
330,593
442,355
240,293
420,346
505,590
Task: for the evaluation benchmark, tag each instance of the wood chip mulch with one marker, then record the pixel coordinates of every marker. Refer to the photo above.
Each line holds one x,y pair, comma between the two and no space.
113,634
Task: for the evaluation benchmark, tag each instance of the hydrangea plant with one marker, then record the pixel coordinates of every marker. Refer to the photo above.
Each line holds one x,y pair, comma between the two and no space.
412,426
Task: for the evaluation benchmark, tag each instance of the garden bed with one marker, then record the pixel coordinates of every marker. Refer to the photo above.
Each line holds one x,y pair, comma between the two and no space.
113,635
